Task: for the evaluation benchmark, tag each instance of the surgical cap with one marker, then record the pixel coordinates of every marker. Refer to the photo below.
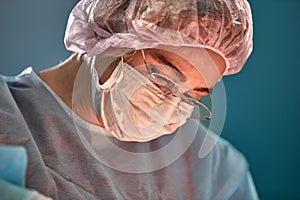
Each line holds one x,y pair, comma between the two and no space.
224,26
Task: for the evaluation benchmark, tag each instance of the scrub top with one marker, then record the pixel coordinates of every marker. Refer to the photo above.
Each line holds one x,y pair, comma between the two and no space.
70,158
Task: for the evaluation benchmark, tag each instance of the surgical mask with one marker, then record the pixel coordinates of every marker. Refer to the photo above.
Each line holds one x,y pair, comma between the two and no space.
133,108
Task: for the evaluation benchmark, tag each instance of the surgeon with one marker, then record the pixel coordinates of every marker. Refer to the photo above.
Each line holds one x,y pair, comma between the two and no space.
122,117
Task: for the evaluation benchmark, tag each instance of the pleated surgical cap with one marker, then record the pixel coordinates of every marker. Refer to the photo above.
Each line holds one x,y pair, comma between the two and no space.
224,26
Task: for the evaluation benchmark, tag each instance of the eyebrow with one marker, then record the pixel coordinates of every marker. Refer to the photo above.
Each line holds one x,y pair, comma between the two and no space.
160,58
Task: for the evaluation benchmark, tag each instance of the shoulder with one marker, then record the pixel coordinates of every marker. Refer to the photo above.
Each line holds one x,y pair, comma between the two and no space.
20,79
228,156
4,87
217,149
8,86
225,169
231,173
12,124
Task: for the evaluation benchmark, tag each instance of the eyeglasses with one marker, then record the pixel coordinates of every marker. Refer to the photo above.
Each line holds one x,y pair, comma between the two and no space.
170,87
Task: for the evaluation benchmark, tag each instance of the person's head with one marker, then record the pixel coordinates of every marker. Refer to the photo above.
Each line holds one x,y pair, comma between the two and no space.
189,42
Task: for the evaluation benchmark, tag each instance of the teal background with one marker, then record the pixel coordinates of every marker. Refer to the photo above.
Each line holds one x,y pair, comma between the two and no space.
263,99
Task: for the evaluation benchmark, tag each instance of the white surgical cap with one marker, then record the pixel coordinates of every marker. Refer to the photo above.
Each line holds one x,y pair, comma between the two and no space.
224,26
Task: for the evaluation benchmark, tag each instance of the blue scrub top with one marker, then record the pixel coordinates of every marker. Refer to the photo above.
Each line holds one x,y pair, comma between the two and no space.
66,153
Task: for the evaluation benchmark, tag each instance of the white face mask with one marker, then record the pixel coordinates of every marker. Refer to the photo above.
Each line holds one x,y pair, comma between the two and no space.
132,112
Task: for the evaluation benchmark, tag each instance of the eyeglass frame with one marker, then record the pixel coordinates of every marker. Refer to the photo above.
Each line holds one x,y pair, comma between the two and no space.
183,97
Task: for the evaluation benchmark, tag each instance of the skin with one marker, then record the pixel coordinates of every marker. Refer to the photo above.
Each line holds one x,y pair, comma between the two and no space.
61,78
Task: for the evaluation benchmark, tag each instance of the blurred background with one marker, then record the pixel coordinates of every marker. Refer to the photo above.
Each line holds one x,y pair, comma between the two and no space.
263,99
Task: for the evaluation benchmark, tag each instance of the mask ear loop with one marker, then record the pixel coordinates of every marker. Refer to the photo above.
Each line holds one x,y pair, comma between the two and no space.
147,66
122,61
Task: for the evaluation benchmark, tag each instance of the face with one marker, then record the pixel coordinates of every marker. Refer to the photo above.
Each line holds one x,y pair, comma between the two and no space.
180,70
197,75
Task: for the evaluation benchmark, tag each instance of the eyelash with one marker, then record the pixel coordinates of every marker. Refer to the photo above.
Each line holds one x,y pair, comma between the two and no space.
197,93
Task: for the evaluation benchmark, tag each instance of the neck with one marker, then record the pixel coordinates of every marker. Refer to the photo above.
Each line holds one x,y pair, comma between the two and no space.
61,78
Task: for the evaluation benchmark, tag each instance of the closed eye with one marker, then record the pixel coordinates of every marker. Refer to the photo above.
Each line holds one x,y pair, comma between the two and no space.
199,92
203,89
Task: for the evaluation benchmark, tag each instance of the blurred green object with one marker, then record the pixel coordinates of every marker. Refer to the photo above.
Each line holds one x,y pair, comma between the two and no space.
10,191
13,163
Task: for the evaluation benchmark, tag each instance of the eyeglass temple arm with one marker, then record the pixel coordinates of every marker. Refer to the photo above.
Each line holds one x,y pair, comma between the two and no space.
199,102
